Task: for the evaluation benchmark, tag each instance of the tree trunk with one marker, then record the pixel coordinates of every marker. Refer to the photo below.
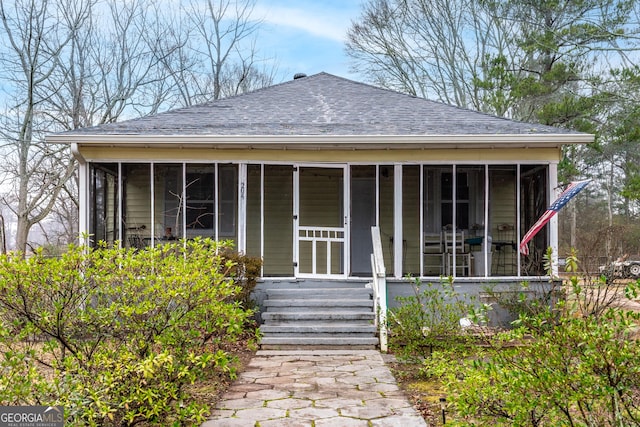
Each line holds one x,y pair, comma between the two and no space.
22,234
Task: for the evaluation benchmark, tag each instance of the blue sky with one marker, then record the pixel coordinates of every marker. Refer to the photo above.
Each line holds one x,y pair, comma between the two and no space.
306,36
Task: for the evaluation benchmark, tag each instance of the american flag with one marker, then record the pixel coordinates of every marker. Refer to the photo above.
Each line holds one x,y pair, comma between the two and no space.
571,190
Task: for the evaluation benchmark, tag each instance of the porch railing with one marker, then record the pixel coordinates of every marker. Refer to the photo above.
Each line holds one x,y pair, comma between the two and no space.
379,285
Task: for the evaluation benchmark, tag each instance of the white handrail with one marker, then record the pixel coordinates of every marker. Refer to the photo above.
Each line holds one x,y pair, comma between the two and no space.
379,285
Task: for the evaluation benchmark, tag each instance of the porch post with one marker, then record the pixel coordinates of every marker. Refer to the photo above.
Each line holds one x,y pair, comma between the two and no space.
241,245
152,174
397,221
296,217
553,223
216,201
346,206
183,202
519,231
83,196
486,246
120,207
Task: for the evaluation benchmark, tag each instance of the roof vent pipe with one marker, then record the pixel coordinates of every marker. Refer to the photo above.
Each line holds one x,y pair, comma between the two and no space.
299,76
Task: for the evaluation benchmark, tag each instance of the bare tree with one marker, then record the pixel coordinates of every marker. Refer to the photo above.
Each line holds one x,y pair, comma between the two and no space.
3,235
61,227
68,64
220,51
65,74
144,58
431,48
112,70
34,40
506,57
247,74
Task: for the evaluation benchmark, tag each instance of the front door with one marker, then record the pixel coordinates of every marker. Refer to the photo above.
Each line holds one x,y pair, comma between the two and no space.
320,221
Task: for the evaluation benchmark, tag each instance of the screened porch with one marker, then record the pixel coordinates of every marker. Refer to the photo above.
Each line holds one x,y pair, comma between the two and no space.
314,220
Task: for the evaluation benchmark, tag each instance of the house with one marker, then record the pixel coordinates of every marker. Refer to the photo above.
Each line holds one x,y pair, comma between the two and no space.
299,172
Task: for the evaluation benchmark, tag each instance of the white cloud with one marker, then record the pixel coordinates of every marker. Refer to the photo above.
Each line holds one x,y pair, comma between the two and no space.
326,23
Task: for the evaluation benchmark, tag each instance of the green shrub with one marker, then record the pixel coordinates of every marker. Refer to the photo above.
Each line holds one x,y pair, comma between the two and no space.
583,372
562,366
115,335
245,270
430,318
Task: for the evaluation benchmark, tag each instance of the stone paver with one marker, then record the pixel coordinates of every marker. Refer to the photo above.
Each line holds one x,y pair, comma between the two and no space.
336,388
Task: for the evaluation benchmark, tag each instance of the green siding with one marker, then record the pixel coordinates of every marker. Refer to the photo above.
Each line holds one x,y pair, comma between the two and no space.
411,220
278,221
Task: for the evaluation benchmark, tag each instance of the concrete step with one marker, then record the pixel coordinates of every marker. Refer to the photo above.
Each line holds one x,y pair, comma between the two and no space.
319,328
307,336
319,305
317,341
315,284
324,293
320,347
311,315
316,302
293,316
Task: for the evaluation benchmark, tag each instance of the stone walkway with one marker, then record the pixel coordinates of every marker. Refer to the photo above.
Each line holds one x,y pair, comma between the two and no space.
311,388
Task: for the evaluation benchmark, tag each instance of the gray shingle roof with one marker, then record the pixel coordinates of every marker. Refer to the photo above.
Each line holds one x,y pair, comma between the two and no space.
321,104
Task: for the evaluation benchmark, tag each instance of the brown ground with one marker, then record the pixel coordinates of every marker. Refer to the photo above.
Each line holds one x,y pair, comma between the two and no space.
425,395
210,390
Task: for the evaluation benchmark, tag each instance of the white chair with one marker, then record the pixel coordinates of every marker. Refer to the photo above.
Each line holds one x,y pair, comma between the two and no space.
433,255
458,258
